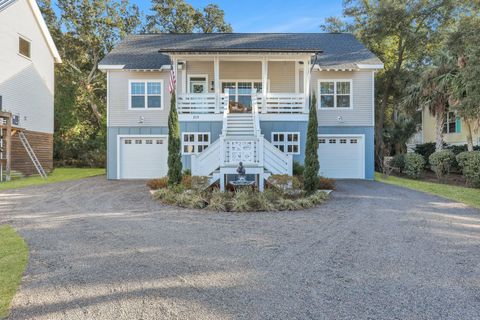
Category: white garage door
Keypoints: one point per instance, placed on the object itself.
(143, 157)
(341, 157)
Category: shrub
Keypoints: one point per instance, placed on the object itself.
(262, 203)
(470, 164)
(318, 197)
(219, 201)
(289, 205)
(242, 201)
(425, 150)
(304, 202)
(165, 195)
(398, 162)
(414, 165)
(200, 182)
(312, 165)
(284, 181)
(326, 183)
(297, 168)
(187, 172)
(159, 183)
(441, 162)
(187, 182)
(191, 199)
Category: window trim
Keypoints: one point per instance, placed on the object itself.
(29, 48)
(145, 81)
(285, 142)
(446, 126)
(195, 143)
(197, 76)
(319, 106)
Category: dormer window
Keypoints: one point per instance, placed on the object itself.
(24, 47)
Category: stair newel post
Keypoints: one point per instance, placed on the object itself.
(260, 149)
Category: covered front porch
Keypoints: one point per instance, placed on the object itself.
(210, 85)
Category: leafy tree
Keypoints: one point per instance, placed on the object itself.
(310, 173)
(174, 156)
(178, 16)
(402, 33)
(462, 43)
(84, 31)
(433, 92)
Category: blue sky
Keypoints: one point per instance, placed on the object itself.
(269, 15)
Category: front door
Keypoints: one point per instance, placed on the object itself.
(240, 94)
(198, 85)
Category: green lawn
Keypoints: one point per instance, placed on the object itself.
(13, 260)
(58, 175)
(468, 196)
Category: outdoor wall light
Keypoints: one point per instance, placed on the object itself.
(141, 119)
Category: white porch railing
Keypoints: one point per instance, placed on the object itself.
(201, 103)
(283, 103)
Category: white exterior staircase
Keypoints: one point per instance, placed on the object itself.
(241, 141)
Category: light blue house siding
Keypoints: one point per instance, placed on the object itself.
(369, 144)
(112, 135)
(214, 127)
(267, 127)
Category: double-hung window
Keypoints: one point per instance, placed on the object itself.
(288, 142)
(335, 94)
(195, 142)
(452, 123)
(146, 94)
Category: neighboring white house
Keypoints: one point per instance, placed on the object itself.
(27, 58)
(240, 97)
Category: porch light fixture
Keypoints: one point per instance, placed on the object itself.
(141, 119)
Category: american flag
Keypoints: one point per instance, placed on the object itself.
(173, 81)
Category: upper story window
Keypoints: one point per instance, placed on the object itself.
(335, 94)
(145, 94)
(288, 142)
(240, 94)
(24, 47)
(452, 124)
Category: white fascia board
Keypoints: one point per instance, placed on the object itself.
(370, 66)
(110, 66)
(44, 29)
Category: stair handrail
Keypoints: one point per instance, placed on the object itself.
(201, 167)
(276, 161)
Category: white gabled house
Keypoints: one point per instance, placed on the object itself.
(241, 97)
(27, 58)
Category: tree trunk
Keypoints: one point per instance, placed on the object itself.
(469, 135)
(439, 121)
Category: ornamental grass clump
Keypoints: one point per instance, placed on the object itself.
(220, 201)
(469, 161)
(414, 165)
(441, 162)
(242, 201)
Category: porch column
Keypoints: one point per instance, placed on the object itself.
(306, 83)
(264, 84)
(216, 80)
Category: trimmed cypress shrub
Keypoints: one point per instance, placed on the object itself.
(310, 173)
(174, 156)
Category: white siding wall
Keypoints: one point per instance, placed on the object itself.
(282, 76)
(26, 85)
(119, 115)
(362, 113)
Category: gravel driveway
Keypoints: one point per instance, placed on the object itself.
(105, 250)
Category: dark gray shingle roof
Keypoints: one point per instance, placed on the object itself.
(150, 51)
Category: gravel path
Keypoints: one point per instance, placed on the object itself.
(105, 250)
